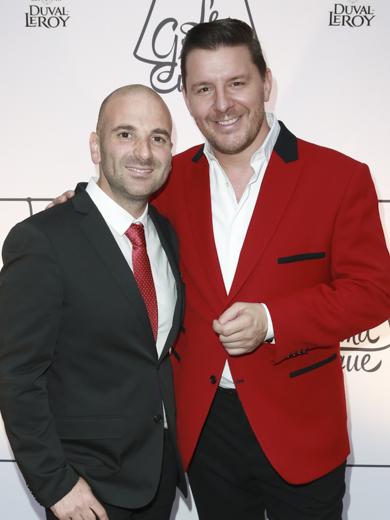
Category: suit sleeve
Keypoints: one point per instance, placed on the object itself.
(30, 302)
(358, 296)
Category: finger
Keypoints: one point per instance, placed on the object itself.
(239, 342)
(238, 351)
(99, 510)
(217, 327)
(238, 330)
(239, 326)
(231, 312)
(239, 347)
(85, 514)
(67, 195)
(62, 198)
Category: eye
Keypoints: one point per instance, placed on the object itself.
(203, 90)
(237, 83)
(124, 135)
(159, 139)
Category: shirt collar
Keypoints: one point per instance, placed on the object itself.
(115, 216)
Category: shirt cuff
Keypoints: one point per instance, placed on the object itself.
(270, 330)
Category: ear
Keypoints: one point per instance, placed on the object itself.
(94, 147)
(185, 97)
(267, 84)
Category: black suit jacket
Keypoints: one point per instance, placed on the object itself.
(81, 386)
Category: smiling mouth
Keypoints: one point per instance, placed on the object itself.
(139, 170)
(227, 122)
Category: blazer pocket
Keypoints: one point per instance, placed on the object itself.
(314, 366)
(110, 427)
(301, 257)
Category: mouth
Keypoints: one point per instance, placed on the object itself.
(227, 123)
(139, 171)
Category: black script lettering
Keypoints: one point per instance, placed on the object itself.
(213, 14)
(34, 10)
(30, 21)
(162, 73)
(52, 22)
(339, 8)
(362, 337)
(42, 22)
(346, 20)
(356, 363)
(340, 19)
(165, 76)
(356, 19)
(55, 11)
(351, 16)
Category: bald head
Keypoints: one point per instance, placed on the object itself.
(132, 146)
(138, 92)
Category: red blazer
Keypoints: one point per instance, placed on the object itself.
(315, 254)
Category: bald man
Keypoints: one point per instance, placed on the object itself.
(92, 301)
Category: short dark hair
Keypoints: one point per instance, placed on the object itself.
(227, 32)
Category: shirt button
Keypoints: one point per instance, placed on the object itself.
(213, 379)
(158, 419)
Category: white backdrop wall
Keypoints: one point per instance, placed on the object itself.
(331, 81)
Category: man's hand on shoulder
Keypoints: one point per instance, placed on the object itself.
(61, 198)
(242, 327)
(79, 504)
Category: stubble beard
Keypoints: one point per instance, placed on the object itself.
(241, 143)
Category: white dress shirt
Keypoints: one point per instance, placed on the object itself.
(231, 218)
(119, 220)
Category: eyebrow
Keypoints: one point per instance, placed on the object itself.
(210, 82)
(130, 128)
(161, 131)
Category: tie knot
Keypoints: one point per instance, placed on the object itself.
(136, 235)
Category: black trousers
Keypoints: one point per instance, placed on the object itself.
(161, 505)
(231, 477)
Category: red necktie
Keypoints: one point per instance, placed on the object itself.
(143, 273)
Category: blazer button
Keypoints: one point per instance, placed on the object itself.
(158, 419)
(213, 379)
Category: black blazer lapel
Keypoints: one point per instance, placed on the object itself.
(101, 239)
(169, 245)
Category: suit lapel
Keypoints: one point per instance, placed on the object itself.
(173, 262)
(277, 188)
(100, 237)
(198, 206)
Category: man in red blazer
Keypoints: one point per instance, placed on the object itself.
(283, 256)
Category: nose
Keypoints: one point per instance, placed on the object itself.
(143, 149)
(222, 100)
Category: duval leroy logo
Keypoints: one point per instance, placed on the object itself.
(352, 14)
(366, 351)
(47, 14)
(160, 41)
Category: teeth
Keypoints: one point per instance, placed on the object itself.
(139, 170)
(228, 122)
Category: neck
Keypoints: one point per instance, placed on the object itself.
(132, 207)
(135, 207)
(238, 166)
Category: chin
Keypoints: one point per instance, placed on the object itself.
(229, 148)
